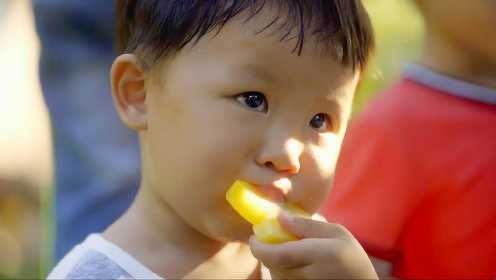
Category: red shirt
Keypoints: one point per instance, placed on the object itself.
(416, 183)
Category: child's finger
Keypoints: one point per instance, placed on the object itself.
(292, 254)
(308, 228)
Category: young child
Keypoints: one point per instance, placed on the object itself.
(416, 178)
(223, 90)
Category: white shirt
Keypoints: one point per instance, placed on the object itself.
(98, 258)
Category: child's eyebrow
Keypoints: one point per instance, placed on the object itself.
(256, 71)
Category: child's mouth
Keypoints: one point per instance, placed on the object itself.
(271, 193)
(276, 191)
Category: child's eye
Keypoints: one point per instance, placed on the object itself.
(254, 100)
(321, 122)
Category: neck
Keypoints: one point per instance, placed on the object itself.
(450, 57)
(165, 243)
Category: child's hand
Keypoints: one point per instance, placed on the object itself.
(324, 251)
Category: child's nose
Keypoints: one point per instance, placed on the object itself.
(281, 156)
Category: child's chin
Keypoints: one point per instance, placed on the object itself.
(227, 234)
(226, 227)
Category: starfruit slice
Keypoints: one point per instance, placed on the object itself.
(261, 212)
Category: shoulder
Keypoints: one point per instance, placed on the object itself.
(406, 98)
(90, 264)
(397, 113)
(97, 258)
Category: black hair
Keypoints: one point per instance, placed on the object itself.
(157, 28)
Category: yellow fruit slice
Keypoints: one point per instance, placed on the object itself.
(244, 198)
(261, 212)
(271, 231)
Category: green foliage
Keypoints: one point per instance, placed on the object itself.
(398, 29)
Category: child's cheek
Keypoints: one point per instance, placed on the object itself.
(318, 170)
(313, 193)
(325, 154)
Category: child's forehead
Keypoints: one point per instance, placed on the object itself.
(241, 47)
(242, 61)
(254, 60)
(239, 56)
(264, 31)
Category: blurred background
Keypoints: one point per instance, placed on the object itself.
(26, 148)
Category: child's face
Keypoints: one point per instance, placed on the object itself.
(241, 105)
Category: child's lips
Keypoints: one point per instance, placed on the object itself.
(272, 193)
(276, 191)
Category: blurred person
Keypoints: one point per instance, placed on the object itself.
(96, 159)
(19, 229)
(416, 180)
(25, 147)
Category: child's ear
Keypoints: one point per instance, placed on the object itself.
(128, 91)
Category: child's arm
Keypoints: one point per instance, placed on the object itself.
(324, 251)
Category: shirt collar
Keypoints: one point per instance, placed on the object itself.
(450, 85)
